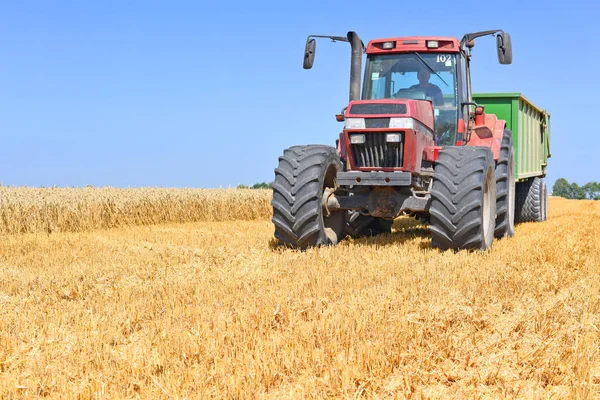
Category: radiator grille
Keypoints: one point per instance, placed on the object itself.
(376, 152)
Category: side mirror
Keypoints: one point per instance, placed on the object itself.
(309, 53)
(504, 44)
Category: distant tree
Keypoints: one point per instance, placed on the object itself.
(592, 190)
(578, 192)
(563, 188)
(261, 185)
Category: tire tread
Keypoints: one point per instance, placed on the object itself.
(457, 195)
(297, 193)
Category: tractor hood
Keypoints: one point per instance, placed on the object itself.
(380, 113)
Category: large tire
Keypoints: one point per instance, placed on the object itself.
(463, 199)
(359, 225)
(303, 174)
(505, 188)
(531, 201)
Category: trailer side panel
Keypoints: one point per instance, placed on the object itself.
(530, 126)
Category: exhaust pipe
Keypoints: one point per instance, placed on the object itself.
(355, 65)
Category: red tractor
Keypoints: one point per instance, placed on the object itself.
(413, 144)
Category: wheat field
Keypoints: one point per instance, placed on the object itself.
(160, 306)
(49, 210)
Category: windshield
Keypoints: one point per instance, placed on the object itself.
(421, 76)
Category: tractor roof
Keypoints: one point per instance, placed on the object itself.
(414, 43)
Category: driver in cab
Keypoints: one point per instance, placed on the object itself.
(431, 90)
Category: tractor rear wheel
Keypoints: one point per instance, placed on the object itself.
(359, 225)
(463, 199)
(302, 177)
(505, 188)
(531, 201)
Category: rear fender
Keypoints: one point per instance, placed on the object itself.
(487, 131)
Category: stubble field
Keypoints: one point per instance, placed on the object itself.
(109, 293)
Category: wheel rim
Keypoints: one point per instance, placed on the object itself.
(546, 205)
(333, 221)
(543, 202)
(487, 219)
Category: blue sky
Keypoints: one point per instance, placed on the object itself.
(208, 94)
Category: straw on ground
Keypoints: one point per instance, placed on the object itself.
(214, 309)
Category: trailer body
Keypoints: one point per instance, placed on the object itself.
(530, 126)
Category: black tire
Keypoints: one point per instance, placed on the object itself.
(359, 225)
(301, 177)
(505, 188)
(531, 201)
(383, 225)
(463, 199)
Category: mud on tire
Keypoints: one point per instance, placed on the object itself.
(463, 206)
(301, 177)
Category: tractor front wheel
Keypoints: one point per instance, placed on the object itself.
(305, 175)
(463, 199)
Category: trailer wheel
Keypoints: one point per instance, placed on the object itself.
(531, 201)
(303, 175)
(505, 188)
(359, 225)
(463, 205)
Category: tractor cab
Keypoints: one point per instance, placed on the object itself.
(421, 68)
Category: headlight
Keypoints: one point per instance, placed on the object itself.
(357, 139)
(402, 123)
(354, 123)
(393, 138)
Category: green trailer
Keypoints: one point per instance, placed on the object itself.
(530, 126)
